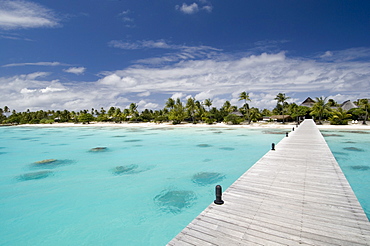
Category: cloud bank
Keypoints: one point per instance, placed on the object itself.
(219, 77)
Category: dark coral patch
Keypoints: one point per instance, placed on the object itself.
(46, 161)
(340, 153)
(98, 149)
(207, 178)
(227, 148)
(332, 135)
(360, 168)
(125, 169)
(349, 142)
(175, 201)
(35, 175)
(354, 149)
(204, 145)
(274, 132)
(133, 140)
(51, 163)
(359, 132)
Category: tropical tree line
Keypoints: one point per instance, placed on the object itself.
(195, 111)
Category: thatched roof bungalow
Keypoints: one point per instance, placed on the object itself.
(237, 113)
(347, 105)
(309, 102)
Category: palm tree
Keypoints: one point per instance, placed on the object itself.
(364, 106)
(332, 103)
(340, 117)
(200, 111)
(281, 99)
(255, 114)
(6, 109)
(102, 111)
(227, 107)
(133, 110)
(177, 114)
(111, 112)
(170, 103)
(208, 103)
(191, 107)
(117, 116)
(320, 108)
(245, 96)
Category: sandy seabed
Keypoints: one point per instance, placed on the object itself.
(358, 126)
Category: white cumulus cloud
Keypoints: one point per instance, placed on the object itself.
(188, 9)
(16, 14)
(75, 70)
(194, 7)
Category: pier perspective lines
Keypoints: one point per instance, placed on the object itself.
(294, 195)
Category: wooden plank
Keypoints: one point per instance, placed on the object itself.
(295, 195)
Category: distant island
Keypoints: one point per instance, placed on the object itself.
(193, 111)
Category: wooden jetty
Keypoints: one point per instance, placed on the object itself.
(294, 195)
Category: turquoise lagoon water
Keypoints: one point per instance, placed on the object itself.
(352, 152)
(141, 188)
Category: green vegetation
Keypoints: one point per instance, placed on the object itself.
(282, 104)
(321, 108)
(194, 111)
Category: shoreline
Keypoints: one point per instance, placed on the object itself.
(274, 125)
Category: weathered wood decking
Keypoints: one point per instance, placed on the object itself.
(295, 195)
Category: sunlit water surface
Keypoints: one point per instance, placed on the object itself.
(133, 186)
(352, 152)
(116, 186)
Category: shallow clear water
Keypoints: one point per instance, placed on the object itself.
(352, 152)
(142, 188)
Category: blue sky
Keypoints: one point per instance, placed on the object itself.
(85, 54)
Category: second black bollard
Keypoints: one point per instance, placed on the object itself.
(287, 134)
(272, 146)
(218, 200)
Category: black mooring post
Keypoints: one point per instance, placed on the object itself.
(272, 146)
(286, 134)
(293, 129)
(218, 200)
